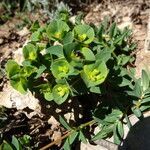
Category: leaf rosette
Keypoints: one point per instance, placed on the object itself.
(30, 52)
(17, 81)
(60, 93)
(61, 69)
(46, 90)
(57, 29)
(94, 74)
(84, 33)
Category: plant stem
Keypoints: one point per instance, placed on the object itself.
(56, 141)
(87, 124)
(68, 133)
(114, 55)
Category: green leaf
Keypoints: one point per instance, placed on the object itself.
(46, 90)
(60, 93)
(125, 82)
(123, 59)
(61, 69)
(41, 69)
(113, 116)
(120, 129)
(104, 132)
(88, 54)
(145, 107)
(20, 84)
(145, 100)
(48, 96)
(138, 89)
(104, 55)
(79, 18)
(68, 49)
(119, 40)
(26, 71)
(64, 123)
(12, 68)
(35, 26)
(105, 22)
(145, 80)
(25, 140)
(68, 38)
(118, 132)
(27, 63)
(36, 36)
(66, 145)
(16, 143)
(137, 112)
(17, 81)
(56, 50)
(72, 137)
(94, 74)
(41, 47)
(84, 33)
(76, 58)
(99, 135)
(128, 121)
(100, 32)
(82, 137)
(112, 30)
(95, 89)
(57, 29)
(133, 46)
(30, 52)
(5, 146)
(116, 136)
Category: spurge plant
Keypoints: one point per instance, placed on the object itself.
(63, 60)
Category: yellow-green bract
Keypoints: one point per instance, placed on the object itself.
(94, 74)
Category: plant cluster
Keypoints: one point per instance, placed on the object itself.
(9, 7)
(62, 56)
(17, 143)
(48, 8)
(65, 60)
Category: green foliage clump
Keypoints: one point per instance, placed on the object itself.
(65, 54)
(21, 143)
(64, 60)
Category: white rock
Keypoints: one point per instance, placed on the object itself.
(88, 146)
(18, 54)
(23, 32)
(10, 98)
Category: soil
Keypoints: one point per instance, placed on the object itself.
(43, 129)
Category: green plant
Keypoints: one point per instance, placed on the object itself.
(22, 143)
(81, 54)
(48, 8)
(9, 8)
(65, 60)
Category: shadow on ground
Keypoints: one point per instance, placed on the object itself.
(138, 137)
